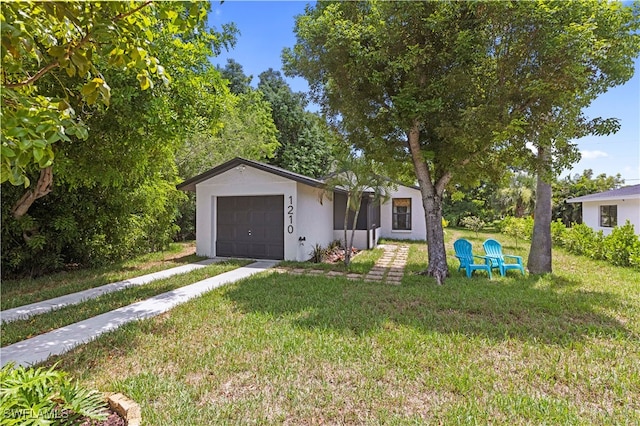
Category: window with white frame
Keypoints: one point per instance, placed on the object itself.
(401, 214)
(608, 216)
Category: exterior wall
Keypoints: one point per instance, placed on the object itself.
(236, 182)
(360, 237)
(314, 220)
(627, 210)
(418, 227)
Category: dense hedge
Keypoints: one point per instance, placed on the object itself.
(620, 248)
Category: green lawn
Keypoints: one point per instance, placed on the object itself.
(360, 264)
(278, 348)
(21, 292)
(16, 331)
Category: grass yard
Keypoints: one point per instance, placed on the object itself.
(277, 348)
(21, 292)
(16, 331)
(360, 264)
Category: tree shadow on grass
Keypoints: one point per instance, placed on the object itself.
(554, 313)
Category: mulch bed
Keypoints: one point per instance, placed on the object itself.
(336, 255)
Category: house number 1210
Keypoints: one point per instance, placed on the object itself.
(290, 215)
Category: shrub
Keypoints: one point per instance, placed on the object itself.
(620, 248)
(622, 245)
(558, 232)
(318, 254)
(37, 397)
(473, 223)
(634, 259)
(581, 239)
(335, 244)
(519, 228)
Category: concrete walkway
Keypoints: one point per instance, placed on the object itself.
(39, 348)
(26, 311)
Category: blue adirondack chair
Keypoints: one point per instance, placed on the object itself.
(493, 250)
(466, 257)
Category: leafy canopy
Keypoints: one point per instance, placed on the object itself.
(44, 42)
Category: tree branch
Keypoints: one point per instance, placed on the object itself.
(35, 77)
(83, 41)
(43, 187)
(121, 16)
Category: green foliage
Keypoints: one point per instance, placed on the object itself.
(473, 223)
(581, 239)
(479, 201)
(577, 186)
(239, 83)
(558, 232)
(318, 253)
(87, 226)
(305, 141)
(519, 228)
(517, 197)
(245, 129)
(356, 174)
(41, 396)
(114, 189)
(467, 84)
(620, 248)
(334, 245)
(56, 52)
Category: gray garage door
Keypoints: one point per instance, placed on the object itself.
(250, 227)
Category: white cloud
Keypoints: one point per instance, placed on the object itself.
(592, 155)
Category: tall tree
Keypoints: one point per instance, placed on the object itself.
(568, 54)
(305, 139)
(459, 87)
(517, 198)
(479, 201)
(239, 82)
(54, 55)
(114, 192)
(245, 128)
(415, 79)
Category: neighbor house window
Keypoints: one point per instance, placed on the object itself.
(608, 216)
(401, 214)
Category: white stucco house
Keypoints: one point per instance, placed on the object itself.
(606, 210)
(245, 208)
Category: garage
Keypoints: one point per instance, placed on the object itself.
(250, 226)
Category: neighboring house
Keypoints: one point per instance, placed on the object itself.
(245, 208)
(605, 210)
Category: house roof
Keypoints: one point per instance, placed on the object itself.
(624, 193)
(190, 184)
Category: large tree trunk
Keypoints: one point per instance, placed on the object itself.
(42, 188)
(539, 261)
(432, 202)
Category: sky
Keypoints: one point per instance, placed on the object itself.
(266, 27)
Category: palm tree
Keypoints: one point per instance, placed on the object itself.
(518, 199)
(355, 174)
